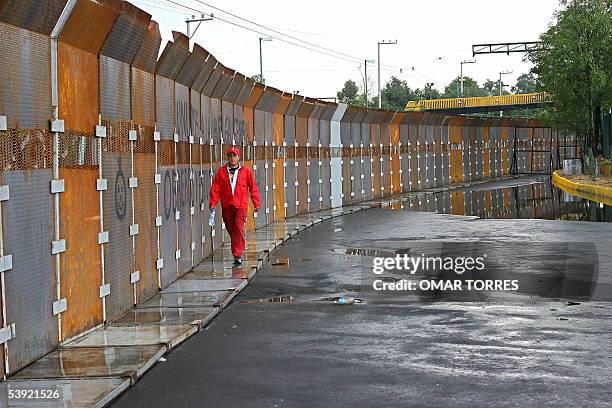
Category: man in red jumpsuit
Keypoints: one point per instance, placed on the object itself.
(231, 184)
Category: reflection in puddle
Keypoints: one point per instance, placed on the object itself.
(532, 198)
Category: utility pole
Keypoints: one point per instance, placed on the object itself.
(261, 58)
(461, 75)
(365, 81)
(501, 87)
(193, 19)
(379, 44)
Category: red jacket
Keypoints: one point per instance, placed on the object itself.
(222, 189)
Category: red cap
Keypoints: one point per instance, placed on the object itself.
(234, 150)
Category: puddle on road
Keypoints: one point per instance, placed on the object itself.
(531, 198)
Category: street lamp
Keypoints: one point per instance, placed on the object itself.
(260, 57)
(461, 74)
(384, 42)
(429, 86)
(501, 87)
(366, 80)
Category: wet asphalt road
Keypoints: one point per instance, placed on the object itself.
(523, 348)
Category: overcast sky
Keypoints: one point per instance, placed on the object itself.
(433, 37)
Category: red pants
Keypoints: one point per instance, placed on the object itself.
(234, 219)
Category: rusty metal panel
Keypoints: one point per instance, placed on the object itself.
(117, 221)
(301, 130)
(143, 97)
(34, 15)
(181, 97)
(81, 275)
(114, 89)
(77, 88)
(30, 285)
(324, 132)
(25, 78)
(295, 105)
(127, 34)
(164, 98)
(173, 58)
(277, 129)
(145, 211)
(146, 56)
(345, 133)
(313, 125)
(224, 81)
(89, 24)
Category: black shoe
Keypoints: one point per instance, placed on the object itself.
(237, 261)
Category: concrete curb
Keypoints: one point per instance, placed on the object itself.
(588, 191)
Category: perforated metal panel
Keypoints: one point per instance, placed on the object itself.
(268, 131)
(165, 106)
(143, 97)
(25, 94)
(182, 202)
(325, 183)
(35, 15)
(30, 285)
(182, 113)
(117, 221)
(302, 188)
(216, 122)
(167, 231)
(206, 124)
(290, 189)
(260, 178)
(126, 36)
(314, 188)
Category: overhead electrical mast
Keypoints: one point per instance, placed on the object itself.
(505, 48)
(384, 42)
(193, 19)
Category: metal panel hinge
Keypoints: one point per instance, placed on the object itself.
(101, 184)
(133, 230)
(7, 333)
(103, 237)
(159, 264)
(3, 123)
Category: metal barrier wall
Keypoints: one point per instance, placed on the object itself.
(108, 154)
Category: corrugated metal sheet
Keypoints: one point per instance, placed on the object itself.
(114, 89)
(25, 77)
(146, 56)
(30, 285)
(34, 15)
(127, 34)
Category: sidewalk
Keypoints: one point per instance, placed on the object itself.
(94, 369)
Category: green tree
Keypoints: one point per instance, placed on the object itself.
(470, 88)
(491, 88)
(526, 83)
(396, 94)
(573, 65)
(258, 78)
(349, 93)
(428, 92)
